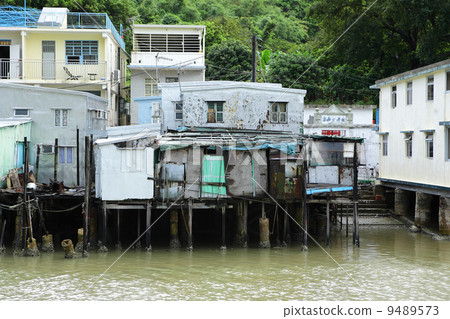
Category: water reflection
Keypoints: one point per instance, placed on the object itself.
(390, 265)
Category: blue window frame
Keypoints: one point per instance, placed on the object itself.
(81, 52)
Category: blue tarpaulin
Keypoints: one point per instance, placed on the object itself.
(288, 148)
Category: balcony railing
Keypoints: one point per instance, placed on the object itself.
(52, 70)
(33, 18)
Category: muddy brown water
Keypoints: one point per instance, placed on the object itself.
(391, 264)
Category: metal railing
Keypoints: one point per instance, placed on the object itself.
(52, 70)
(32, 18)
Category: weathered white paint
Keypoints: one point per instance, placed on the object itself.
(422, 115)
(125, 163)
(246, 105)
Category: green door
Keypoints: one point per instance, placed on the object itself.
(213, 176)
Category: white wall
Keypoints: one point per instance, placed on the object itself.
(122, 173)
(247, 105)
(421, 115)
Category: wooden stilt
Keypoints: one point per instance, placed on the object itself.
(55, 161)
(346, 222)
(241, 237)
(102, 244)
(118, 244)
(174, 241)
(224, 246)
(148, 219)
(305, 226)
(138, 230)
(305, 203)
(78, 156)
(87, 191)
(189, 242)
(285, 225)
(355, 195)
(25, 200)
(2, 229)
(328, 223)
(38, 152)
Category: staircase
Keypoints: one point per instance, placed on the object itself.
(372, 210)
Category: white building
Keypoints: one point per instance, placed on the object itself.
(241, 105)
(164, 54)
(124, 163)
(56, 48)
(347, 121)
(415, 141)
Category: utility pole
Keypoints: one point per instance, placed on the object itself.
(253, 58)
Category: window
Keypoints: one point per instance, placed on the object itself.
(82, 52)
(215, 112)
(448, 80)
(167, 42)
(151, 87)
(21, 112)
(409, 93)
(179, 111)
(394, 96)
(278, 112)
(408, 141)
(385, 144)
(65, 154)
(429, 143)
(173, 79)
(47, 149)
(447, 135)
(61, 117)
(430, 88)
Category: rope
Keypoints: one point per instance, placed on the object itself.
(11, 207)
(62, 210)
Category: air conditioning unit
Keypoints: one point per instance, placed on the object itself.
(116, 76)
(155, 109)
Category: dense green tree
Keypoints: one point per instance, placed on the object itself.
(229, 60)
(298, 71)
(394, 35)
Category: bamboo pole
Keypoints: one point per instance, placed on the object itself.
(87, 191)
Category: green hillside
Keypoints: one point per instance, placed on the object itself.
(333, 48)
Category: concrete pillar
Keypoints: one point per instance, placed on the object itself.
(264, 240)
(174, 241)
(401, 202)
(240, 239)
(444, 215)
(422, 215)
